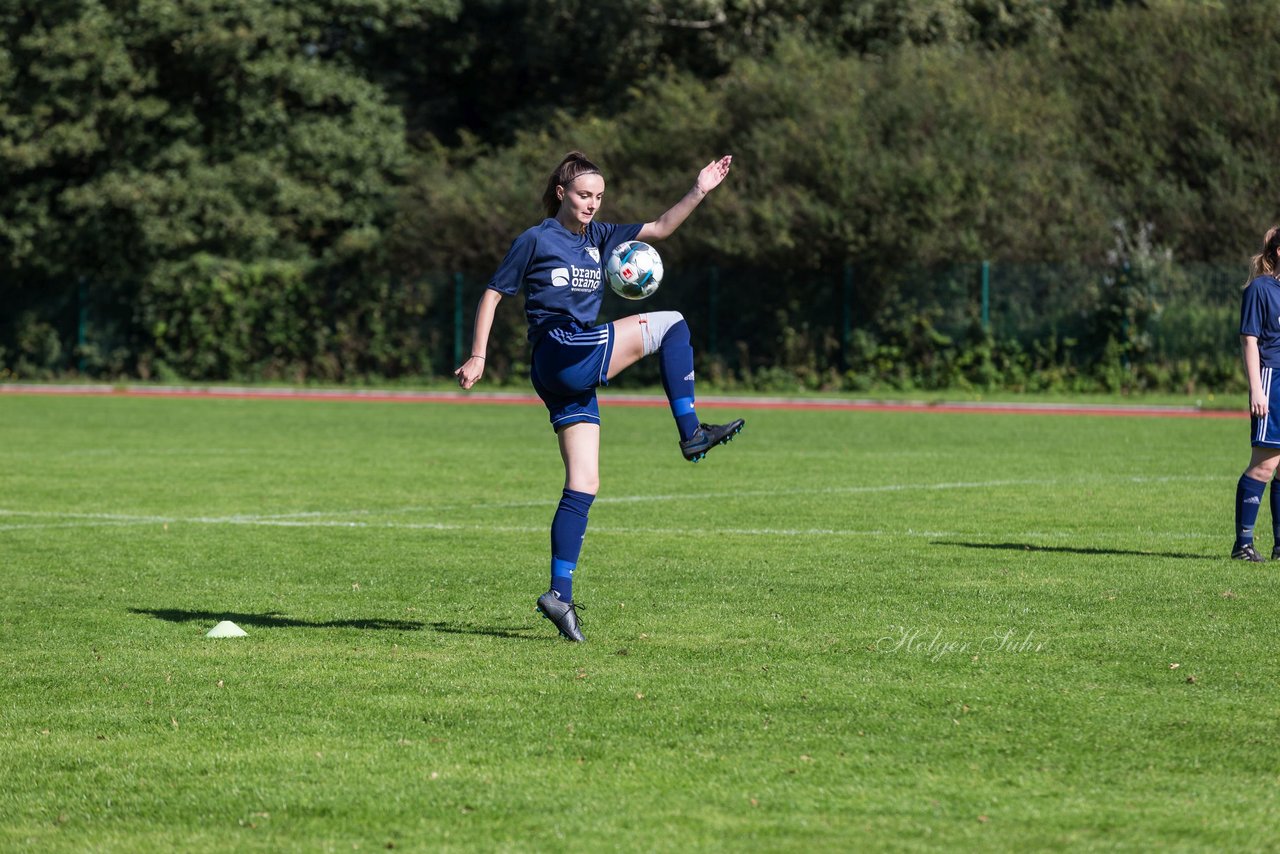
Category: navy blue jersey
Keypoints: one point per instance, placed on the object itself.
(561, 272)
(1260, 317)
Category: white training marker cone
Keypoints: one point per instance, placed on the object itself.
(226, 629)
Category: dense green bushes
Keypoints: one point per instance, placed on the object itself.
(197, 191)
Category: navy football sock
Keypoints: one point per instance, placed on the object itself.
(1248, 502)
(1274, 495)
(568, 527)
(675, 360)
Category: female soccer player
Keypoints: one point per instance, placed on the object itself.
(1260, 341)
(559, 264)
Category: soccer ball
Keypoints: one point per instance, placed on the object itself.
(634, 270)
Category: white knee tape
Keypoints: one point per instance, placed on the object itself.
(654, 326)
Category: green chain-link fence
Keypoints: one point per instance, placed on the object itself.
(1148, 325)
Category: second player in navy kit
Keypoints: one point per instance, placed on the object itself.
(558, 263)
(1260, 346)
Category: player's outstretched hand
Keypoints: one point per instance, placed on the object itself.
(470, 372)
(713, 173)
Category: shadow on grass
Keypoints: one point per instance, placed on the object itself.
(519, 633)
(1075, 550)
(275, 621)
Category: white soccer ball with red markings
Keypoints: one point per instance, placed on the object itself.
(634, 270)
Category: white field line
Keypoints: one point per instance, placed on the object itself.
(87, 524)
(320, 519)
(598, 529)
(854, 490)
(773, 493)
(626, 499)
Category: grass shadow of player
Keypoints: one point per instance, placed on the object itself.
(1075, 550)
(519, 633)
(273, 620)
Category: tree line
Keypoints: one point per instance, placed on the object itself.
(207, 190)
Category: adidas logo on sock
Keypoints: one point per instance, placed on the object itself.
(1253, 499)
(689, 378)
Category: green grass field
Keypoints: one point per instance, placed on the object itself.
(845, 631)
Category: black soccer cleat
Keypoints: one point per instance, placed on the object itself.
(1275, 552)
(563, 614)
(707, 437)
(1247, 552)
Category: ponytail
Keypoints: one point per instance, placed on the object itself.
(1266, 262)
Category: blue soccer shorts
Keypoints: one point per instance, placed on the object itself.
(1265, 431)
(568, 364)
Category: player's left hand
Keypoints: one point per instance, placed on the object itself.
(713, 173)
(1258, 405)
(469, 372)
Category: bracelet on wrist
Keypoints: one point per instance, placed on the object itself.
(474, 356)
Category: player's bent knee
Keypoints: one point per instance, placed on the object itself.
(654, 327)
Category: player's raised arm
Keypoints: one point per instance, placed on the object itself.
(708, 179)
